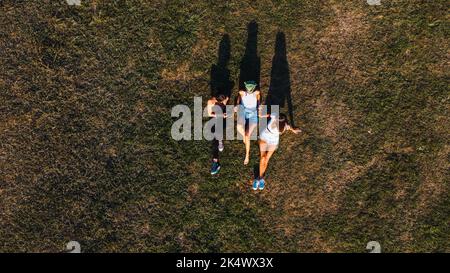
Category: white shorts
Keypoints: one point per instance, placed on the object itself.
(269, 138)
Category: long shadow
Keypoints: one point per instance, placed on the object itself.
(220, 80)
(250, 67)
(220, 74)
(280, 80)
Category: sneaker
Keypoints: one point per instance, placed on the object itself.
(255, 184)
(221, 147)
(215, 168)
(262, 183)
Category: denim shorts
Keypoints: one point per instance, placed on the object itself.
(245, 115)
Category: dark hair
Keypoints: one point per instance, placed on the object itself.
(282, 122)
(221, 98)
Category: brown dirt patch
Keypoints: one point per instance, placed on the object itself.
(341, 41)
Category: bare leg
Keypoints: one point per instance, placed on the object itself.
(241, 130)
(263, 152)
(265, 161)
(262, 164)
(247, 137)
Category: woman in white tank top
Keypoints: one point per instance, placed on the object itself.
(247, 107)
(268, 143)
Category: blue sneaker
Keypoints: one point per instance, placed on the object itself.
(262, 183)
(255, 184)
(215, 168)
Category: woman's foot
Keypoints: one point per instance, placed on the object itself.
(246, 160)
(262, 184)
(255, 184)
(215, 168)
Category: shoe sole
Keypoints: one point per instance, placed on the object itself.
(213, 173)
(255, 189)
(261, 188)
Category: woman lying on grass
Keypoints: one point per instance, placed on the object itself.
(217, 144)
(247, 107)
(268, 143)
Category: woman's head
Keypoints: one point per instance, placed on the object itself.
(282, 122)
(250, 86)
(220, 98)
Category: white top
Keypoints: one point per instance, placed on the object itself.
(271, 135)
(249, 101)
(272, 129)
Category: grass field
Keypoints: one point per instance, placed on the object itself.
(86, 94)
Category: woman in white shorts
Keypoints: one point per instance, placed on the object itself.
(268, 143)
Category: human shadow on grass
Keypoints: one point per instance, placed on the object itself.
(220, 74)
(280, 81)
(220, 83)
(250, 67)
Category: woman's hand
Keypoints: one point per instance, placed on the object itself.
(296, 130)
(260, 108)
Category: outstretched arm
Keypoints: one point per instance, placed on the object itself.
(258, 97)
(209, 108)
(238, 101)
(238, 98)
(260, 106)
(295, 130)
(225, 101)
(261, 115)
(258, 102)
